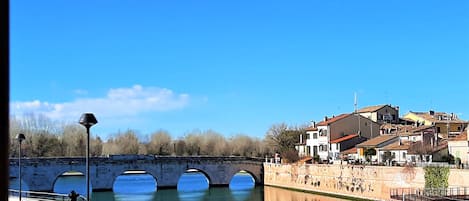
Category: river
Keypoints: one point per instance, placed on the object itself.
(191, 187)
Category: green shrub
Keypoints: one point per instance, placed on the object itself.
(436, 177)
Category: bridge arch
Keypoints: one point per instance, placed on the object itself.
(187, 173)
(202, 171)
(251, 171)
(137, 173)
(69, 172)
(247, 172)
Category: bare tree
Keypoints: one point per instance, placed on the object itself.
(96, 146)
(123, 143)
(193, 141)
(74, 140)
(283, 138)
(242, 145)
(160, 143)
(179, 147)
(213, 143)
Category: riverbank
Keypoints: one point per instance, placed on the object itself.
(358, 181)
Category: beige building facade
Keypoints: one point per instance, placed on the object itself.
(459, 147)
(381, 113)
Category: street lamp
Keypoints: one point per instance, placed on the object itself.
(20, 137)
(88, 120)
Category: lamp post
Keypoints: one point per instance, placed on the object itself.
(88, 120)
(20, 137)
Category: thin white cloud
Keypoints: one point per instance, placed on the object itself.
(119, 102)
(80, 92)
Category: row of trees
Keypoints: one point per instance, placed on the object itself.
(193, 143)
(47, 138)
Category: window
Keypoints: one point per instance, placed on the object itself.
(315, 135)
(438, 129)
(403, 155)
(307, 136)
(322, 132)
(337, 146)
(323, 147)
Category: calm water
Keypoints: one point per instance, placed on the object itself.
(191, 187)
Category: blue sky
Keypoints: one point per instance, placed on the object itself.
(236, 67)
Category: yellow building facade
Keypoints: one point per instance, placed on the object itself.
(442, 122)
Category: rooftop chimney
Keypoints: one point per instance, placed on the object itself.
(325, 118)
(313, 123)
(431, 112)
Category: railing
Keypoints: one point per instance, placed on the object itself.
(453, 193)
(43, 195)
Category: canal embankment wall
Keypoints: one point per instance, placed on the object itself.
(369, 182)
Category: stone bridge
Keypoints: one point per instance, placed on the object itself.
(40, 174)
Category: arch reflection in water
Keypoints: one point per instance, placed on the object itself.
(242, 181)
(72, 180)
(193, 180)
(242, 185)
(279, 194)
(193, 185)
(134, 185)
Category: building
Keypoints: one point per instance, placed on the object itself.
(442, 122)
(420, 133)
(375, 143)
(424, 152)
(396, 151)
(381, 113)
(304, 148)
(350, 154)
(344, 143)
(458, 147)
(319, 136)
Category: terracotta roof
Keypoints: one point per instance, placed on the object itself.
(371, 108)
(460, 137)
(396, 146)
(399, 127)
(332, 120)
(420, 128)
(376, 141)
(311, 128)
(352, 150)
(387, 126)
(347, 137)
